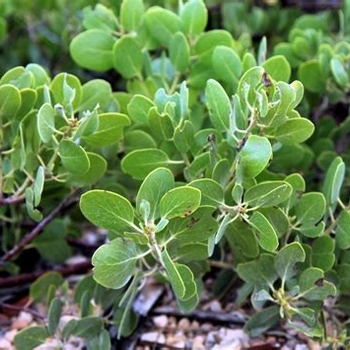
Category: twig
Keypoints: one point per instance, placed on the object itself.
(229, 317)
(37, 229)
(22, 279)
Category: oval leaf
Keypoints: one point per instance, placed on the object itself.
(254, 156)
(73, 157)
(139, 163)
(218, 104)
(108, 210)
(92, 49)
(179, 202)
(127, 57)
(46, 122)
(295, 130)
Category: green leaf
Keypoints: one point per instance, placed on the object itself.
(278, 68)
(114, 263)
(259, 272)
(184, 136)
(268, 193)
(138, 109)
(218, 104)
(100, 17)
(260, 322)
(127, 57)
(31, 337)
(39, 289)
(107, 209)
(179, 52)
(10, 101)
(66, 90)
(162, 24)
(54, 315)
(310, 208)
(342, 233)
(310, 74)
(38, 185)
(154, 187)
(323, 253)
(179, 202)
(266, 234)
(139, 163)
(339, 72)
(73, 157)
(295, 130)
(333, 181)
(92, 49)
(96, 92)
(254, 156)
(194, 16)
(125, 319)
(88, 327)
(46, 122)
(87, 125)
(180, 277)
(211, 192)
(100, 341)
(227, 64)
(313, 285)
(131, 13)
(98, 167)
(110, 130)
(286, 260)
(277, 218)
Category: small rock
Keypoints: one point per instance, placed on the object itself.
(22, 321)
(215, 306)
(153, 337)
(184, 323)
(161, 321)
(5, 344)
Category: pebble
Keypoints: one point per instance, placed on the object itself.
(22, 321)
(161, 321)
(153, 337)
(184, 324)
(5, 344)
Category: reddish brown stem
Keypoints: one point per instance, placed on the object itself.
(37, 229)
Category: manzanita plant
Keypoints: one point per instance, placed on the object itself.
(209, 153)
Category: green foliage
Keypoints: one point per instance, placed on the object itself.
(210, 146)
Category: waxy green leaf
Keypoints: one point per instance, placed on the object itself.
(266, 234)
(127, 57)
(74, 158)
(342, 233)
(295, 130)
(108, 210)
(227, 64)
(114, 263)
(92, 49)
(211, 192)
(179, 52)
(31, 337)
(268, 193)
(180, 277)
(339, 72)
(287, 259)
(156, 184)
(110, 130)
(310, 208)
(254, 156)
(10, 101)
(139, 163)
(179, 202)
(131, 13)
(314, 286)
(278, 68)
(194, 16)
(259, 272)
(333, 181)
(162, 24)
(218, 104)
(46, 122)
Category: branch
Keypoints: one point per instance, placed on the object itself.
(20, 280)
(28, 238)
